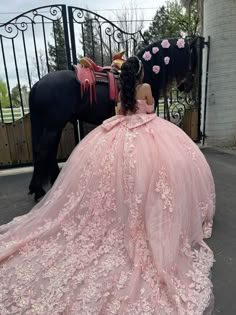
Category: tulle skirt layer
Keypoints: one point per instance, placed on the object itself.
(120, 232)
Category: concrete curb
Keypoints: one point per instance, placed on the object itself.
(219, 149)
(20, 170)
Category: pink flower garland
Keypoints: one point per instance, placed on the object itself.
(167, 60)
(180, 43)
(147, 56)
(155, 50)
(165, 43)
(156, 69)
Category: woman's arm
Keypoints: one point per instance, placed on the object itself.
(118, 106)
(151, 109)
(118, 109)
(149, 99)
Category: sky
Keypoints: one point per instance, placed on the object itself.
(9, 9)
(105, 7)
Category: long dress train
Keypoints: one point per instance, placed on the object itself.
(120, 232)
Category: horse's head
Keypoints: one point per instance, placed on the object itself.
(169, 60)
(186, 83)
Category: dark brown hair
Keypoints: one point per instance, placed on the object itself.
(130, 77)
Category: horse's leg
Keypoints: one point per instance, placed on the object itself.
(166, 107)
(76, 131)
(37, 129)
(81, 129)
(43, 162)
(55, 172)
(32, 182)
(54, 165)
(36, 184)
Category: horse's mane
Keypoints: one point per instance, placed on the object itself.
(177, 67)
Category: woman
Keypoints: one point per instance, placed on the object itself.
(121, 231)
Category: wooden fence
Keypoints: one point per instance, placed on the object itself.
(15, 142)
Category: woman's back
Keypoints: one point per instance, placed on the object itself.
(143, 92)
(145, 101)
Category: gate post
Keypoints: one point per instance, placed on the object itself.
(66, 34)
(200, 46)
(74, 61)
(72, 35)
(68, 54)
(206, 89)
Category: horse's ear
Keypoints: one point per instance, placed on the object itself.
(193, 55)
(192, 43)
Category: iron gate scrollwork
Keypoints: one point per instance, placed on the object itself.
(51, 38)
(100, 37)
(24, 40)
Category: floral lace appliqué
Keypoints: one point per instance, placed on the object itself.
(165, 191)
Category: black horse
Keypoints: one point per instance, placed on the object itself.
(56, 100)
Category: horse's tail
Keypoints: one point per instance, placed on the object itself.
(37, 125)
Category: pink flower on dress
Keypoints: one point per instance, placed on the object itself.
(155, 50)
(167, 60)
(156, 69)
(180, 43)
(165, 43)
(147, 56)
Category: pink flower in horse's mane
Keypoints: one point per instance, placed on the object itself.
(147, 56)
(156, 69)
(167, 60)
(155, 50)
(165, 43)
(180, 43)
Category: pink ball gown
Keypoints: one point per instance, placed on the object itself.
(120, 232)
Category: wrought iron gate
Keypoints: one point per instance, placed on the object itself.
(52, 38)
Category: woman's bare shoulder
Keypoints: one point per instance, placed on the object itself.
(146, 86)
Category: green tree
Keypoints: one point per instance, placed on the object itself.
(174, 20)
(195, 9)
(130, 20)
(90, 38)
(5, 102)
(96, 42)
(15, 96)
(57, 52)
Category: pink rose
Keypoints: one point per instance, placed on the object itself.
(147, 56)
(155, 50)
(180, 43)
(167, 60)
(156, 69)
(165, 43)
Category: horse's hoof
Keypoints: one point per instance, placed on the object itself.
(39, 194)
(31, 191)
